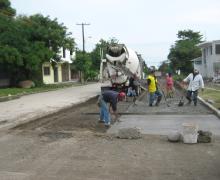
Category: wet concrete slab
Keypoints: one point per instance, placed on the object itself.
(164, 124)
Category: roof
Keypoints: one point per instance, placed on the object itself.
(197, 59)
(207, 43)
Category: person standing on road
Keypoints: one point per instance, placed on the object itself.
(153, 90)
(169, 85)
(195, 81)
(111, 97)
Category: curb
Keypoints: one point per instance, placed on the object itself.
(212, 108)
(215, 110)
(9, 98)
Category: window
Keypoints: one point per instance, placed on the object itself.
(217, 49)
(204, 55)
(64, 53)
(198, 62)
(210, 50)
(71, 52)
(46, 71)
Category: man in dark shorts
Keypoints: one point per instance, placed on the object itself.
(195, 81)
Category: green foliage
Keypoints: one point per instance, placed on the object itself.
(101, 49)
(165, 67)
(50, 32)
(83, 63)
(185, 50)
(10, 55)
(5, 8)
(211, 94)
(178, 77)
(145, 68)
(80, 61)
(97, 54)
(27, 42)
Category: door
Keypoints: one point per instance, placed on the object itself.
(65, 72)
(55, 74)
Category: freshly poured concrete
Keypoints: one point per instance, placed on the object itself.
(164, 124)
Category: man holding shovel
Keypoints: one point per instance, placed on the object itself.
(152, 85)
(195, 82)
(112, 98)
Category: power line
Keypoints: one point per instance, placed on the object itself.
(83, 38)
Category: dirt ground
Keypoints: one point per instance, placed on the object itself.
(72, 144)
(70, 119)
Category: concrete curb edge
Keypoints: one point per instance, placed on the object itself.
(212, 108)
(215, 110)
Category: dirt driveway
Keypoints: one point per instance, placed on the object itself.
(72, 145)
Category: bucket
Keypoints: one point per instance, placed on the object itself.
(190, 133)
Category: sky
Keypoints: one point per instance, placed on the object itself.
(149, 27)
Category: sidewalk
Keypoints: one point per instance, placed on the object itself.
(34, 106)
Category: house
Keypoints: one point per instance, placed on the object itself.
(197, 64)
(209, 63)
(55, 72)
(52, 71)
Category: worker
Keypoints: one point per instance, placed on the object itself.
(132, 88)
(169, 85)
(153, 90)
(111, 97)
(195, 82)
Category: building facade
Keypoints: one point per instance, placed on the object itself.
(209, 63)
(55, 72)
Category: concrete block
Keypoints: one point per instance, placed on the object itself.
(129, 133)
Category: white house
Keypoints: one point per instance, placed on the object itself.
(209, 63)
(61, 71)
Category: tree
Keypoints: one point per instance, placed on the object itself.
(27, 42)
(89, 63)
(164, 67)
(83, 64)
(9, 55)
(50, 32)
(185, 50)
(6, 9)
(99, 52)
(145, 68)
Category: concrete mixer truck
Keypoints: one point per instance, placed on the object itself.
(121, 63)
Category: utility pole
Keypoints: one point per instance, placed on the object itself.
(83, 38)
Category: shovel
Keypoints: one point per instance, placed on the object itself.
(181, 102)
(165, 97)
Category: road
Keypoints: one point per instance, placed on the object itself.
(71, 144)
(38, 105)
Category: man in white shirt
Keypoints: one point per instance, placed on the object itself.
(195, 81)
